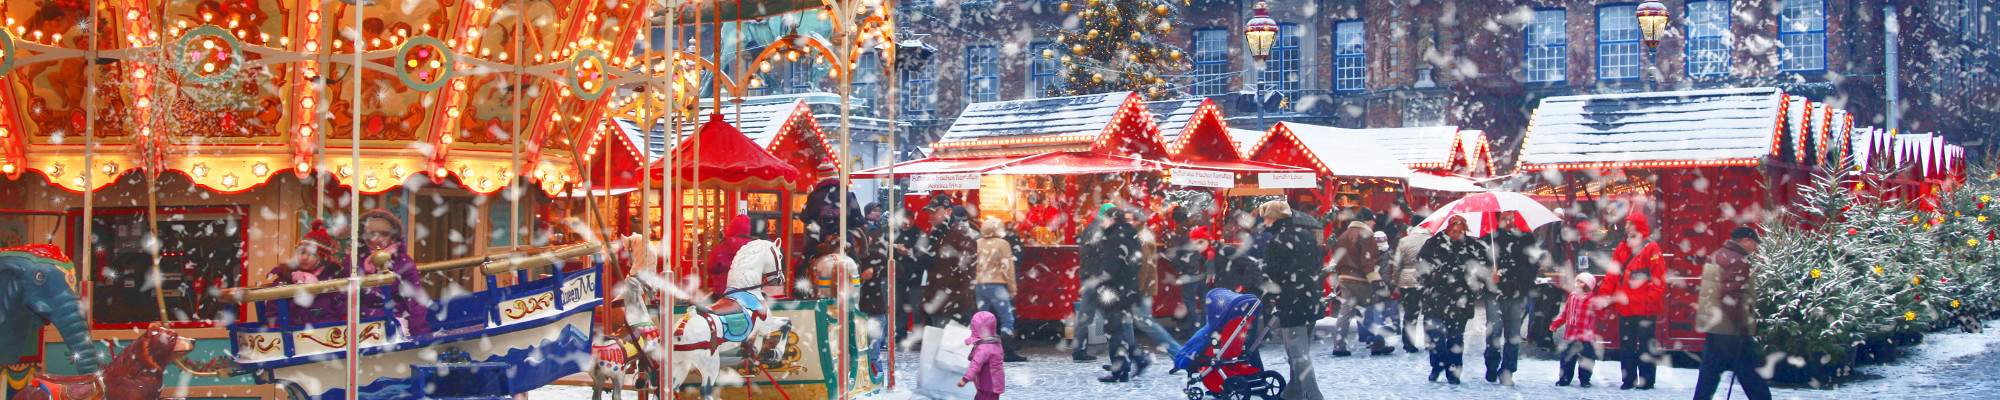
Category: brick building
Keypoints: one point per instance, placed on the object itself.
(1486, 64)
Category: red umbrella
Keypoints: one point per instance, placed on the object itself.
(728, 160)
(1480, 209)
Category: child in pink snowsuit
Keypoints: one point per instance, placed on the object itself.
(986, 369)
(1578, 325)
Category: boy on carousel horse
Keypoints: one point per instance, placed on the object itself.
(753, 278)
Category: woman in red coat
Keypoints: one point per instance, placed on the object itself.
(1635, 287)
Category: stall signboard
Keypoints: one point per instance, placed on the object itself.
(1202, 178)
(1285, 180)
(964, 181)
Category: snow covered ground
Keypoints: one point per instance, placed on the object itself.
(1945, 366)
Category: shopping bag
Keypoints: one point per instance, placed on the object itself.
(943, 362)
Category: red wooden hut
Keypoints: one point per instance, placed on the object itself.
(1346, 162)
(1698, 162)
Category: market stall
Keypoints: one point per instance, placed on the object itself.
(1698, 162)
(720, 173)
(1352, 168)
(1207, 162)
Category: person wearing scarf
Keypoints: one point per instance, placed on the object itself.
(313, 260)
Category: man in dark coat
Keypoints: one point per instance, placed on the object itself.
(949, 295)
(1507, 304)
(1088, 275)
(1723, 312)
(1294, 261)
(914, 257)
(1117, 294)
(1448, 295)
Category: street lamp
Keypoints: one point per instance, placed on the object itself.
(1260, 32)
(1652, 23)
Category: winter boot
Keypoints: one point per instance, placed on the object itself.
(1507, 378)
(1377, 348)
(1564, 380)
(1007, 348)
(1583, 378)
(1434, 373)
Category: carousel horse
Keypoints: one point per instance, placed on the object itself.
(137, 373)
(734, 322)
(35, 283)
(629, 345)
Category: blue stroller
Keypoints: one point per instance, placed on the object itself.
(1221, 359)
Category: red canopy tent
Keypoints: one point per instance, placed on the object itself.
(727, 160)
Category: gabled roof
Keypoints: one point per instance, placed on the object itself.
(1721, 125)
(763, 122)
(1109, 123)
(1174, 115)
(1198, 131)
(1333, 151)
(1418, 145)
(1246, 139)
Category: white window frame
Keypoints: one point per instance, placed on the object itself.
(1545, 44)
(1350, 55)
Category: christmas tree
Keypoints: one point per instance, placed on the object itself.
(1115, 46)
(1965, 236)
(1841, 267)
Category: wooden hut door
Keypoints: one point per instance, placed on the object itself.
(1699, 207)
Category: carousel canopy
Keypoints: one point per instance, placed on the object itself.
(719, 155)
(1681, 128)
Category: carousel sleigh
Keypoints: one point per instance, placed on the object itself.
(488, 344)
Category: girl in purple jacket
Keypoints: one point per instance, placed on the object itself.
(986, 368)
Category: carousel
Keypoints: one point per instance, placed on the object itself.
(170, 165)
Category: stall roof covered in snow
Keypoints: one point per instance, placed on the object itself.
(1055, 117)
(1246, 139)
(1338, 151)
(1173, 116)
(1719, 124)
(761, 118)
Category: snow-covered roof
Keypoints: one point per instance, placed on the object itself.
(1074, 117)
(1173, 116)
(1718, 124)
(1246, 139)
(761, 121)
(1346, 152)
(1417, 145)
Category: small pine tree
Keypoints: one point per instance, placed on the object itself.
(1115, 46)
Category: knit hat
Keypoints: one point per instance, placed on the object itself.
(1586, 279)
(321, 242)
(1200, 233)
(1105, 209)
(385, 215)
(1274, 209)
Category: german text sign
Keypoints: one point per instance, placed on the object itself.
(1285, 180)
(1196, 177)
(965, 181)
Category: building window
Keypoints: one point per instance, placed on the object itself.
(982, 74)
(1547, 47)
(1281, 71)
(866, 73)
(1708, 38)
(1617, 42)
(1802, 35)
(1211, 62)
(1042, 77)
(920, 90)
(798, 76)
(1350, 56)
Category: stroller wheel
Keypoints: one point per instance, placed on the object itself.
(1271, 384)
(1194, 392)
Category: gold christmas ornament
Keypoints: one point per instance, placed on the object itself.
(1093, 3)
(1048, 54)
(1065, 59)
(1162, 9)
(1092, 35)
(1076, 48)
(1096, 78)
(1175, 55)
(1135, 36)
(1064, 6)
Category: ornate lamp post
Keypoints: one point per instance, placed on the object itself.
(1260, 32)
(1652, 23)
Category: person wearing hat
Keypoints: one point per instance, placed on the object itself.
(1723, 313)
(1634, 283)
(1191, 261)
(383, 235)
(1088, 275)
(313, 260)
(1294, 261)
(1576, 326)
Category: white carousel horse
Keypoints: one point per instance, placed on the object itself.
(740, 319)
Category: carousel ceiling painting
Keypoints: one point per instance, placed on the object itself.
(234, 92)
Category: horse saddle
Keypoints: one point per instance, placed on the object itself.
(71, 387)
(735, 326)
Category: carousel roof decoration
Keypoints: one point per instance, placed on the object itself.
(1331, 151)
(232, 93)
(1658, 130)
